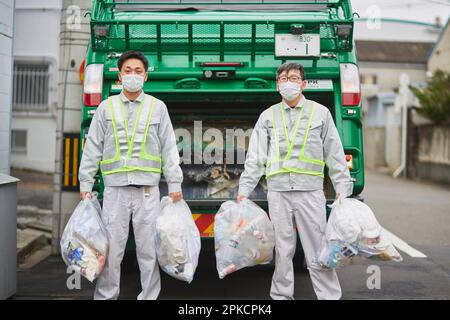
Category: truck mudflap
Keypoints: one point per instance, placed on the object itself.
(204, 212)
(205, 224)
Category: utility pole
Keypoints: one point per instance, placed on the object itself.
(74, 38)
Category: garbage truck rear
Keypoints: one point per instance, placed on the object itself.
(214, 65)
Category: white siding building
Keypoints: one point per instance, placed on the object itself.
(35, 84)
(440, 56)
(6, 45)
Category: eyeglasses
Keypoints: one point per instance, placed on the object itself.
(291, 78)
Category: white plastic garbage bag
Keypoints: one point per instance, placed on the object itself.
(350, 219)
(243, 236)
(352, 229)
(84, 243)
(177, 240)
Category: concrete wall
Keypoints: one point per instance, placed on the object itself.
(393, 139)
(432, 154)
(73, 47)
(37, 39)
(382, 132)
(6, 48)
(374, 147)
(382, 121)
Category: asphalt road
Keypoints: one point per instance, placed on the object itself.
(417, 212)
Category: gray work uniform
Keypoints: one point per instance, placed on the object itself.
(123, 201)
(297, 201)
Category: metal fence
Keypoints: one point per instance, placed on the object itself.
(31, 85)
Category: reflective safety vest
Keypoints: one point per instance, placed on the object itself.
(130, 153)
(289, 162)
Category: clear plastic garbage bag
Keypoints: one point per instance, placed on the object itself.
(243, 235)
(334, 254)
(177, 240)
(352, 229)
(379, 248)
(84, 243)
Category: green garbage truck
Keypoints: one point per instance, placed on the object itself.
(214, 65)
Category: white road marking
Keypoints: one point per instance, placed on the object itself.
(403, 246)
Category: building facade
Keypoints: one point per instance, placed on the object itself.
(35, 83)
(389, 49)
(6, 47)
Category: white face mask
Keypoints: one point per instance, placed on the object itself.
(132, 82)
(290, 90)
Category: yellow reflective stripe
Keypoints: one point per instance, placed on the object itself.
(314, 173)
(108, 161)
(116, 135)
(144, 154)
(268, 164)
(275, 132)
(130, 143)
(138, 118)
(302, 152)
(284, 125)
(129, 169)
(291, 144)
(125, 121)
(150, 157)
(122, 109)
(288, 170)
(301, 157)
(315, 161)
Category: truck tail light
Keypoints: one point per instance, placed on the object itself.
(349, 159)
(93, 85)
(350, 85)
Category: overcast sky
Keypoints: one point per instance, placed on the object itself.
(418, 10)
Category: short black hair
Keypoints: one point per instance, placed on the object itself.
(132, 55)
(288, 66)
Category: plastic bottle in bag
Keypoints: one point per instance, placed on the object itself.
(352, 229)
(243, 236)
(336, 254)
(84, 243)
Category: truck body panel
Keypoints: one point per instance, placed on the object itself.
(219, 67)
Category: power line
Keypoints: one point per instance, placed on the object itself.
(408, 4)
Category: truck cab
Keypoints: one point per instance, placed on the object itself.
(214, 65)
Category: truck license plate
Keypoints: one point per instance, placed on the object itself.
(295, 45)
